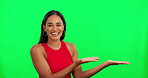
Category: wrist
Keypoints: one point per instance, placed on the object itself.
(77, 62)
(106, 64)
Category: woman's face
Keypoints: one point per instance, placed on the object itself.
(54, 27)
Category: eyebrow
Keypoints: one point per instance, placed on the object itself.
(49, 23)
(56, 23)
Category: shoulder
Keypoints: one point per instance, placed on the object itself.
(37, 49)
(70, 45)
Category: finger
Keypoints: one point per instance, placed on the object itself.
(94, 57)
(126, 62)
(92, 60)
(119, 62)
(89, 60)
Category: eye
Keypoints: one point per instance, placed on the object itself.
(49, 25)
(58, 25)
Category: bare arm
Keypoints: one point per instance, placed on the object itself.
(93, 71)
(78, 73)
(42, 67)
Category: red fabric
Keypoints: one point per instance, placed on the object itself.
(58, 59)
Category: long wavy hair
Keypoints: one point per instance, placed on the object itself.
(44, 38)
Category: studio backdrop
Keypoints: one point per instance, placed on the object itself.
(109, 29)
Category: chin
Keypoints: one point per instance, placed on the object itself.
(55, 39)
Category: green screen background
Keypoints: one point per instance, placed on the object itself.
(108, 29)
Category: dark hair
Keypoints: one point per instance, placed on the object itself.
(44, 38)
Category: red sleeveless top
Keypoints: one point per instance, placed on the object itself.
(58, 59)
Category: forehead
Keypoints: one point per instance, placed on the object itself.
(54, 18)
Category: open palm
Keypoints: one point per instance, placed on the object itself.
(89, 59)
(110, 62)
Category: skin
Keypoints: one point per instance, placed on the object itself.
(54, 24)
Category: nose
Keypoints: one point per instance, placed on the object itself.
(54, 28)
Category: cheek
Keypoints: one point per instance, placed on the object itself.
(62, 28)
(48, 28)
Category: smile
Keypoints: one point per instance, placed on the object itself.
(55, 34)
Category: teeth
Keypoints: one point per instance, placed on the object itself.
(54, 33)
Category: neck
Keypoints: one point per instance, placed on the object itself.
(54, 43)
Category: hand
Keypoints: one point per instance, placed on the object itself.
(110, 62)
(86, 60)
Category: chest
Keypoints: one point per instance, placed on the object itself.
(59, 60)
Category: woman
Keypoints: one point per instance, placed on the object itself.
(54, 58)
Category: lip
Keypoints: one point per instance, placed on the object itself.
(54, 34)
